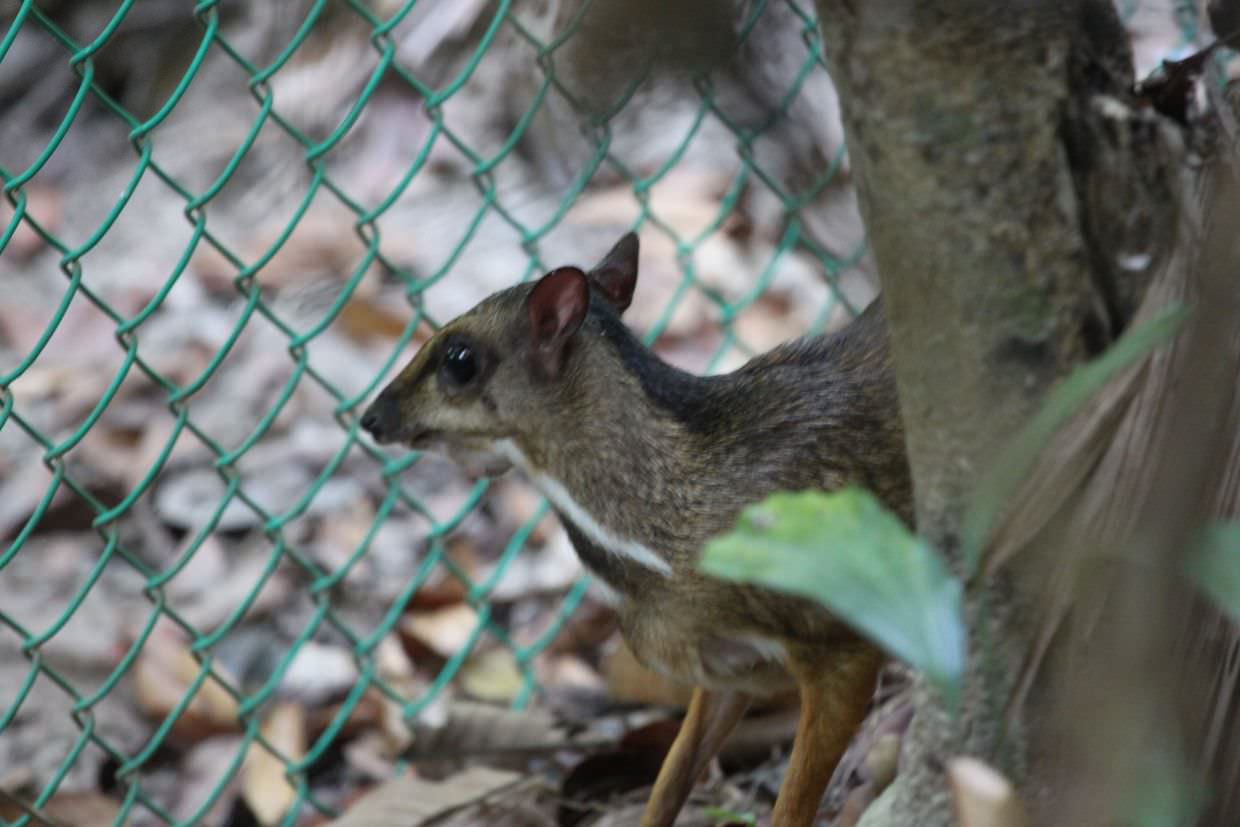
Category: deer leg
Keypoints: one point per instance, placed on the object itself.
(711, 716)
(835, 693)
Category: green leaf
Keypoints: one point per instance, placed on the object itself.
(722, 815)
(1215, 568)
(999, 485)
(1165, 793)
(846, 551)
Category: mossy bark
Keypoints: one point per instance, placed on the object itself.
(1014, 207)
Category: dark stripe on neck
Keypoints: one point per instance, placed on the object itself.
(687, 397)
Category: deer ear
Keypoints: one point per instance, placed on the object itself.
(616, 275)
(557, 305)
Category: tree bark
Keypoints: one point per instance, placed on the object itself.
(1017, 208)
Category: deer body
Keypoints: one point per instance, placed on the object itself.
(645, 463)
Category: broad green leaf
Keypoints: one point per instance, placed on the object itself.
(999, 485)
(846, 551)
(1216, 566)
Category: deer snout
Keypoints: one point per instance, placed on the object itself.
(382, 419)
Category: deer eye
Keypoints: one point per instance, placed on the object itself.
(460, 364)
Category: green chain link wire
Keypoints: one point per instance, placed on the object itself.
(128, 332)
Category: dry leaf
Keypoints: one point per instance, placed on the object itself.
(46, 206)
(445, 503)
(568, 672)
(199, 777)
(518, 502)
(337, 539)
(20, 492)
(589, 629)
(624, 813)
(43, 381)
(766, 323)
(883, 760)
(69, 809)
(319, 671)
(369, 755)
(444, 631)
(878, 770)
(188, 499)
(322, 243)
(686, 199)
(367, 317)
(366, 714)
(164, 671)
(207, 567)
(473, 729)
(397, 670)
(443, 589)
(492, 676)
(413, 801)
(982, 796)
(158, 430)
(552, 568)
(213, 605)
(264, 785)
(393, 664)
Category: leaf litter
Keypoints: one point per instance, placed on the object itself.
(220, 570)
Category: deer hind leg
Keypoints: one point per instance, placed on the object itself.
(711, 716)
(835, 693)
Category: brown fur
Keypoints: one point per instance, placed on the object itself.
(668, 459)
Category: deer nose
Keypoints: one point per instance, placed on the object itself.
(382, 419)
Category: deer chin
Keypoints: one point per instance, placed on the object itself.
(484, 466)
(476, 462)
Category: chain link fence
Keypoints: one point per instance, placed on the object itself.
(227, 224)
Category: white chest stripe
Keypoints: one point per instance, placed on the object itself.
(582, 519)
(766, 648)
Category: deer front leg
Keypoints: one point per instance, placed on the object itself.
(835, 693)
(711, 716)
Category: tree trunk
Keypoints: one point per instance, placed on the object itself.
(1019, 204)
